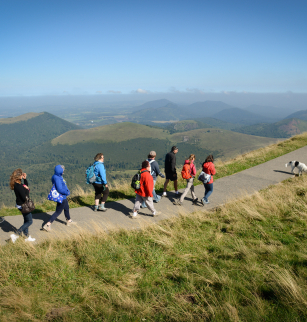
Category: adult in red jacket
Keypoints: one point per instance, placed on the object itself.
(145, 191)
(208, 167)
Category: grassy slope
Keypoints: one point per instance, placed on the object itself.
(281, 129)
(112, 132)
(23, 117)
(230, 142)
(243, 262)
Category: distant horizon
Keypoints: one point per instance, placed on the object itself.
(148, 48)
(290, 100)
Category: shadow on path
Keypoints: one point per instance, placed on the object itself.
(44, 217)
(283, 172)
(7, 227)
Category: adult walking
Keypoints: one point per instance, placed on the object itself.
(208, 167)
(155, 172)
(61, 187)
(21, 190)
(190, 175)
(100, 185)
(170, 170)
(144, 193)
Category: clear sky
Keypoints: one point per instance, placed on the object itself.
(110, 47)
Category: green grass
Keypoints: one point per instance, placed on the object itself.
(245, 261)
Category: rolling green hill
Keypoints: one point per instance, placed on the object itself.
(283, 129)
(227, 143)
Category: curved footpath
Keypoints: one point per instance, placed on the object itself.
(117, 216)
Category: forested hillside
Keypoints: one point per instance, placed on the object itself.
(31, 129)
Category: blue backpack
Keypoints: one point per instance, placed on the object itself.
(90, 176)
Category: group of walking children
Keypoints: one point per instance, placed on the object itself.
(96, 175)
(58, 193)
(145, 191)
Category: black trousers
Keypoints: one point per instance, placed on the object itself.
(100, 189)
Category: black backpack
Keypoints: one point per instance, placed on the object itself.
(135, 183)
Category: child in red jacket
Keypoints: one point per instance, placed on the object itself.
(145, 191)
(208, 167)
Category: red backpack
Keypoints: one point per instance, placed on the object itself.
(186, 172)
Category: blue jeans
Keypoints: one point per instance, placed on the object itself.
(27, 223)
(208, 190)
(59, 208)
(155, 197)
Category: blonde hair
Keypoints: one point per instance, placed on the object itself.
(15, 177)
(191, 157)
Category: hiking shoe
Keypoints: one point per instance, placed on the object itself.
(102, 209)
(1, 220)
(203, 201)
(14, 238)
(30, 239)
(158, 199)
(70, 223)
(47, 227)
(95, 208)
(134, 215)
(195, 201)
(156, 213)
(177, 202)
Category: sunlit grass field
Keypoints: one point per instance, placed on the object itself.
(245, 261)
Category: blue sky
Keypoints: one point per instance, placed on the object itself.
(111, 47)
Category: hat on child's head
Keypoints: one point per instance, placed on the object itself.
(145, 164)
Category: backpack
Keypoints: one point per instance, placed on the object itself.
(90, 176)
(135, 182)
(204, 177)
(186, 172)
(150, 162)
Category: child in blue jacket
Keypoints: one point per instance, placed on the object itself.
(61, 187)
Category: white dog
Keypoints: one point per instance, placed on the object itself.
(295, 164)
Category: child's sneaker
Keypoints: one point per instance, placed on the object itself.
(47, 227)
(14, 238)
(102, 208)
(156, 213)
(70, 223)
(134, 215)
(30, 239)
(204, 201)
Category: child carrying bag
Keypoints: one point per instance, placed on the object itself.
(204, 177)
(54, 195)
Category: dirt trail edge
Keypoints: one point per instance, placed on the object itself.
(117, 216)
